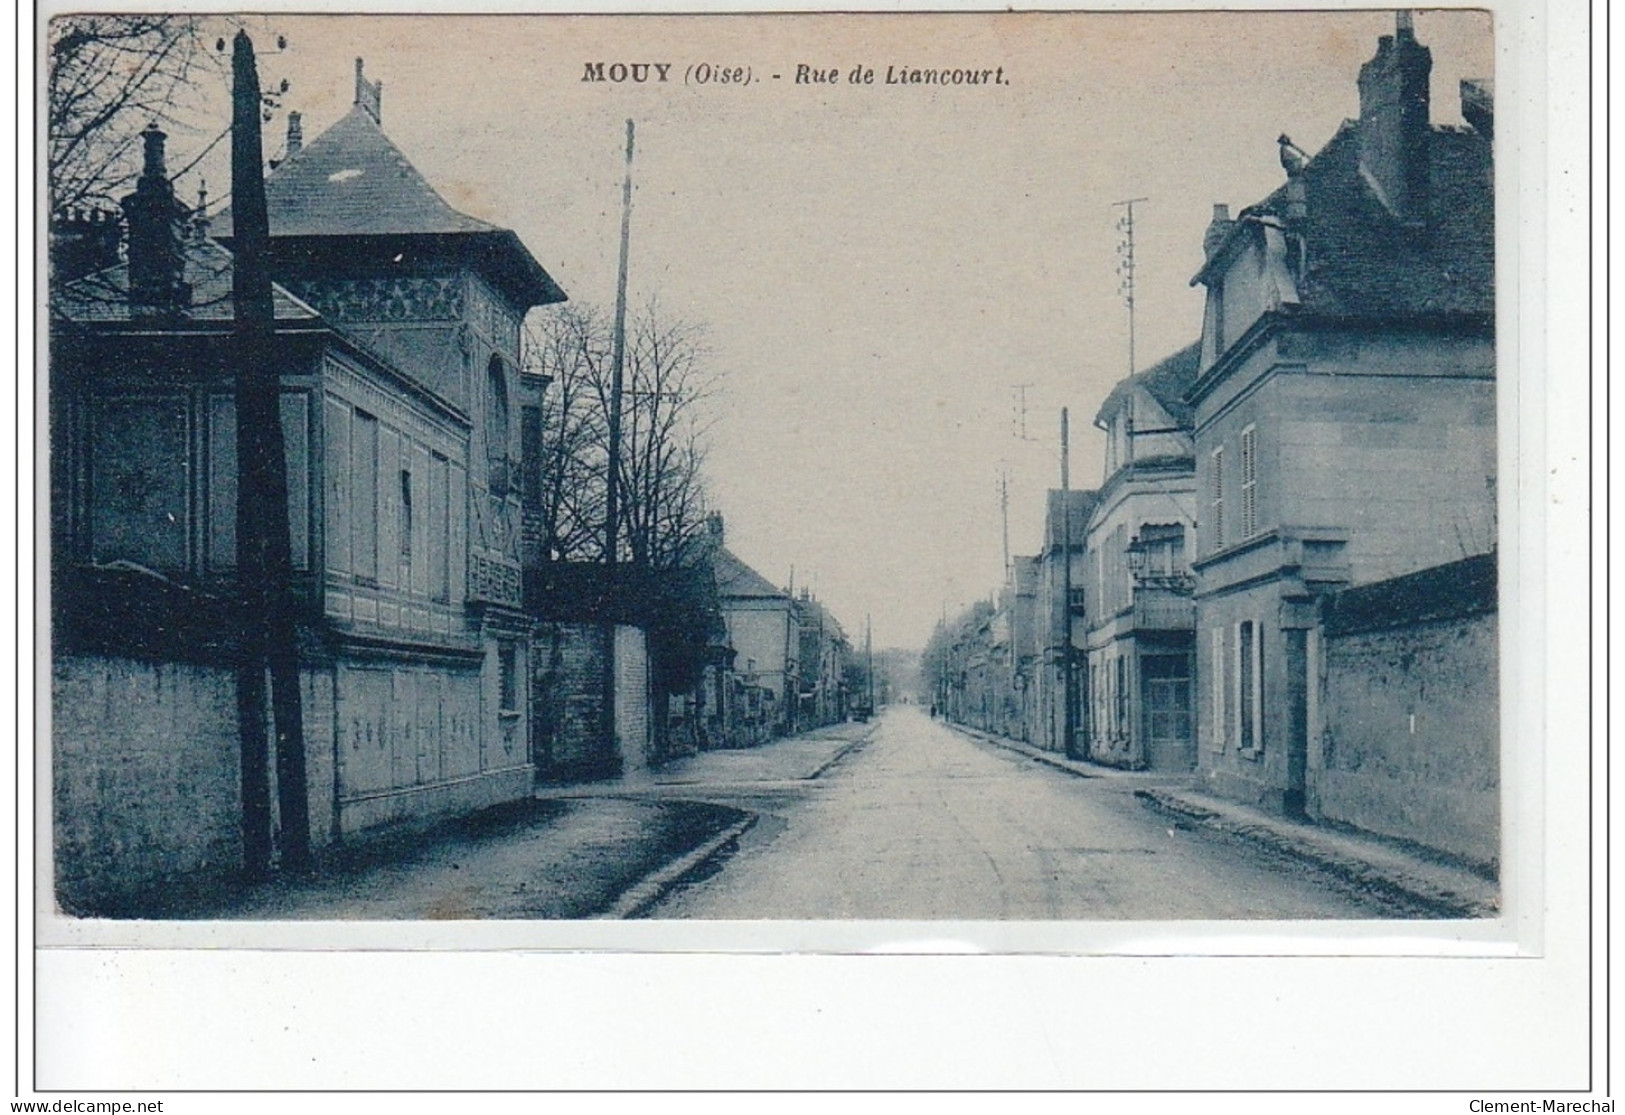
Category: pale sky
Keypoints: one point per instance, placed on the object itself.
(878, 266)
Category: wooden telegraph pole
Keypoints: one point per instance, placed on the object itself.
(1069, 683)
(264, 556)
(612, 490)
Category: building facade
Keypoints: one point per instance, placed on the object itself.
(1061, 603)
(1344, 412)
(1141, 621)
(398, 332)
(763, 629)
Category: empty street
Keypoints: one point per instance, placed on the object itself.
(924, 822)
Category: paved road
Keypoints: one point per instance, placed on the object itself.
(922, 822)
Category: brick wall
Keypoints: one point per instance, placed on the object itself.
(568, 670)
(567, 662)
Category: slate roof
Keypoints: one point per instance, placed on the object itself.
(1167, 381)
(1082, 506)
(352, 181)
(738, 581)
(1365, 262)
(105, 296)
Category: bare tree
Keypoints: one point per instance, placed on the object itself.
(669, 382)
(570, 345)
(109, 76)
(664, 423)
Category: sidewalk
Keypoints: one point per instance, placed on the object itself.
(786, 759)
(526, 860)
(1370, 862)
(600, 849)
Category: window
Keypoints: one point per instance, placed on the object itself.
(1250, 685)
(530, 455)
(1120, 706)
(140, 476)
(1216, 496)
(496, 425)
(1217, 661)
(1249, 482)
(364, 493)
(439, 528)
(508, 673)
(406, 514)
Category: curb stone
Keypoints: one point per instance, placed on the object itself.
(652, 888)
(1440, 901)
(1059, 762)
(839, 755)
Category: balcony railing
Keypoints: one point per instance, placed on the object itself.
(1163, 609)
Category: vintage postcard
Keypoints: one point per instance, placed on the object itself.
(1024, 481)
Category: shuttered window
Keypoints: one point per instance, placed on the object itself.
(1249, 482)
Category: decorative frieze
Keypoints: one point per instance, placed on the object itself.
(493, 320)
(493, 582)
(399, 299)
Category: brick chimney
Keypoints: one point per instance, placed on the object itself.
(369, 94)
(296, 134)
(157, 229)
(1394, 127)
(1218, 228)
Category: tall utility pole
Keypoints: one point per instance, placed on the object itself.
(264, 553)
(792, 700)
(1125, 266)
(612, 498)
(869, 659)
(1068, 681)
(612, 488)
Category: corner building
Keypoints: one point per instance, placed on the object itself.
(1344, 422)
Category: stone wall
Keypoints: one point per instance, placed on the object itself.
(145, 773)
(633, 724)
(1409, 738)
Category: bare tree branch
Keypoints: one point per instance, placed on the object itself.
(664, 422)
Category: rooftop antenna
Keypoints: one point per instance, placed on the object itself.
(1018, 413)
(1125, 265)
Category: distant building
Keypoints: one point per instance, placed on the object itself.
(824, 655)
(1141, 622)
(1061, 620)
(1026, 641)
(1345, 437)
(763, 632)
